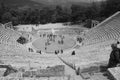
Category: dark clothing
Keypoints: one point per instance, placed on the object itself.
(114, 58)
(56, 52)
(73, 53)
(78, 71)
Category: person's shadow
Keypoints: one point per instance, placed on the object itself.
(104, 70)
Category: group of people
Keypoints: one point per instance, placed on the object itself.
(51, 38)
(79, 39)
(30, 50)
(58, 51)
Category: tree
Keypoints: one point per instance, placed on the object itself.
(6, 17)
(45, 15)
(78, 13)
(93, 11)
(110, 7)
(57, 14)
(3, 10)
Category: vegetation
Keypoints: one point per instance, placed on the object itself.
(76, 14)
(22, 40)
(110, 7)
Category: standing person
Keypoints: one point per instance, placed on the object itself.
(73, 53)
(40, 52)
(55, 52)
(61, 51)
(114, 56)
(29, 49)
(58, 51)
(45, 49)
(78, 71)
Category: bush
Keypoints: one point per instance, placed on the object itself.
(22, 40)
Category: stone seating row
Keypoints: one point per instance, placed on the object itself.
(108, 30)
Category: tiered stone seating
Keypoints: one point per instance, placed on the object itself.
(115, 73)
(17, 76)
(107, 30)
(8, 36)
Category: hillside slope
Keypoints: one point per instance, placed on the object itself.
(42, 3)
(22, 4)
